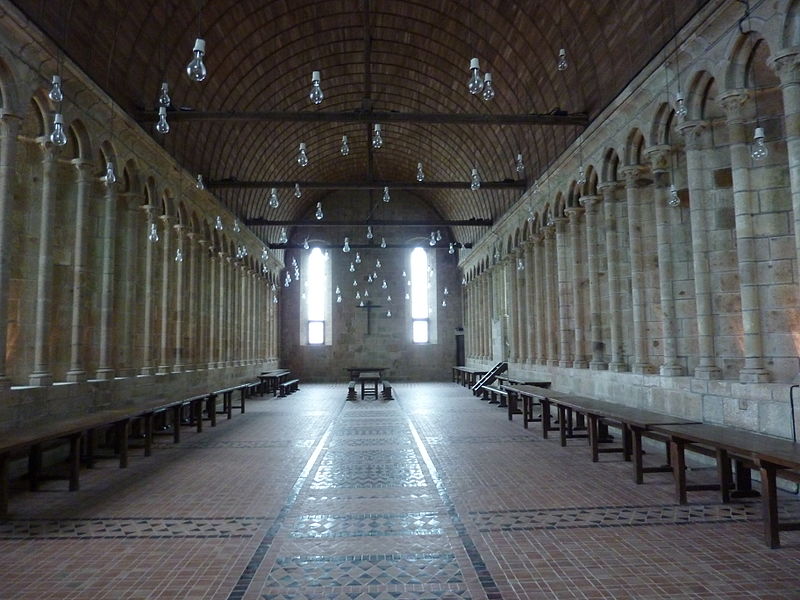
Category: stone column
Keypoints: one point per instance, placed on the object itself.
(105, 366)
(608, 190)
(786, 64)
(519, 308)
(563, 293)
(180, 295)
(551, 302)
(126, 287)
(697, 137)
(147, 300)
(221, 307)
(230, 311)
(597, 363)
(578, 277)
(44, 276)
(9, 128)
(213, 311)
(508, 312)
(483, 315)
(540, 298)
(166, 259)
(660, 158)
(633, 179)
(194, 322)
(745, 206)
(468, 320)
(528, 290)
(77, 370)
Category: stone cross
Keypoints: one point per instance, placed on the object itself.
(369, 306)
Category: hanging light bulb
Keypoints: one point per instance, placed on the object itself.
(536, 189)
(358, 295)
(562, 60)
(218, 223)
(520, 265)
(196, 70)
(519, 166)
(273, 198)
(444, 303)
(355, 283)
(346, 247)
(283, 239)
(298, 193)
(339, 299)
(388, 298)
(361, 304)
(432, 241)
(383, 242)
(358, 258)
(474, 179)
(451, 249)
(475, 83)
(56, 94)
(110, 177)
(338, 291)
(179, 255)
(581, 179)
(163, 97)
(366, 293)
(680, 105)
(57, 136)
(488, 88)
(264, 254)
(319, 214)
(274, 299)
(199, 183)
(302, 155)
(287, 281)
(404, 275)
(377, 139)
(674, 199)
(162, 126)
(378, 264)
(273, 287)
(384, 285)
(369, 279)
(345, 149)
(438, 235)
(386, 196)
(389, 314)
(464, 281)
(374, 275)
(759, 151)
(236, 228)
(305, 244)
(316, 96)
(408, 296)
(420, 172)
(370, 235)
(152, 234)
(352, 268)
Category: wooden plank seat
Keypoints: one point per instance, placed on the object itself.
(495, 395)
(271, 379)
(386, 392)
(351, 391)
(773, 457)
(287, 387)
(467, 376)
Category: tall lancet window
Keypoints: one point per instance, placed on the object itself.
(317, 304)
(422, 291)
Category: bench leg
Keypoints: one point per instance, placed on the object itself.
(229, 404)
(122, 440)
(769, 505)
(197, 412)
(3, 484)
(545, 418)
(677, 449)
(34, 466)
(724, 474)
(148, 434)
(562, 425)
(626, 442)
(744, 482)
(176, 424)
(638, 474)
(593, 436)
(211, 408)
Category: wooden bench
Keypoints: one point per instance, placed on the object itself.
(270, 380)
(467, 376)
(287, 387)
(387, 390)
(495, 395)
(351, 391)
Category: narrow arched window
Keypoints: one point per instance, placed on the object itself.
(317, 303)
(420, 297)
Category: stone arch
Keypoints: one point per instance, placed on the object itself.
(743, 69)
(78, 143)
(634, 147)
(701, 98)
(106, 154)
(590, 187)
(131, 178)
(610, 166)
(9, 100)
(662, 125)
(791, 28)
(34, 123)
(573, 195)
(559, 206)
(167, 203)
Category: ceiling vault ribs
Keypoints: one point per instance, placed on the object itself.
(361, 185)
(377, 222)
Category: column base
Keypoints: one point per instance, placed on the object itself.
(754, 376)
(598, 365)
(104, 374)
(211, 365)
(643, 369)
(76, 376)
(40, 379)
(552, 363)
(579, 364)
(145, 371)
(707, 372)
(5, 383)
(178, 369)
(618, 367)
(163, 370)
(670, 370)
(565, 364)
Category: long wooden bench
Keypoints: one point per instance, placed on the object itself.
(495, 395)
(287, 387)
(467, 376)
(386, 392)
(351, 391)
(270, 380)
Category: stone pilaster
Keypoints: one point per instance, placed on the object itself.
(194, 321)
(578, 278)
(105, 366)
(213, 310)
(551, 298)
(597, 363)
(697, 139)
(167, 259)
(564, 294)
(540, 298)
(608, 190)
(508, 313)
(530, 312)
(147, 367)
(745, 206)
(180, 297)
(9, 127)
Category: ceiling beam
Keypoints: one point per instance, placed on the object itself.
(364, 185)
(438, 246)
(370, 116)
(377, 222)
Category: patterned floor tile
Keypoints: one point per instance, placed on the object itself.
(318, 526)
(129, 528)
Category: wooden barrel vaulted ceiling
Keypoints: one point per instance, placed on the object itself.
(397, 56)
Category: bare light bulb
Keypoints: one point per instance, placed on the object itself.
(302, 155)
(420, 172)
(199, 182)
(163, 96)
(370, 235)
(346, 247)
(389, 314)
(352, 268)
(57, 136)
(358, 258)
(438, 235)
(339, 299)
(581, 176)
(338, 291)
(162, 126)
(345, 149)
(520, 265)
(475, 83)
(316, 96)
(386, 196)
(377, 138)
(680, 106)
(319, 214)
(305, 244)
(759, 151)
(384, 285)
(110, 177)
(432, 241)
(383, 242)
(355, 283)
(378, 264)
(446, 293)
(56, 94)
(358, 295)
(519, 166)
(152, 234)
(298, 193)
(179, 255)
(451, 249)
(218, 223)
(274, 299)
(196, 70)
(283, 239)
(488, 88)
(674, 199)
(474, 179)
(236, 228)
(562, 60)
(273, 198)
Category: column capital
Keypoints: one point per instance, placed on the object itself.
(573, 212)
(633, 174)
(695, 134)
(786, 64)
(590, 203)
(734, 102)
(9, 118)
(608, 189)
(660, 158)
(167, 219)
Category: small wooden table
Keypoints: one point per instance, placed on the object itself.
(369, 383)
(355, 372)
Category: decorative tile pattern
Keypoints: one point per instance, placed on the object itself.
(130, 528)
(366, 469)
(236, 444)
(463, 594)
(319, 526)
(365, 570)
(476, 439)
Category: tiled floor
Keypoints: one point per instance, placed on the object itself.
(433, 496)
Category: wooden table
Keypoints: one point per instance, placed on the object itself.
(271, 379)
(369, 383)
(354, 372)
